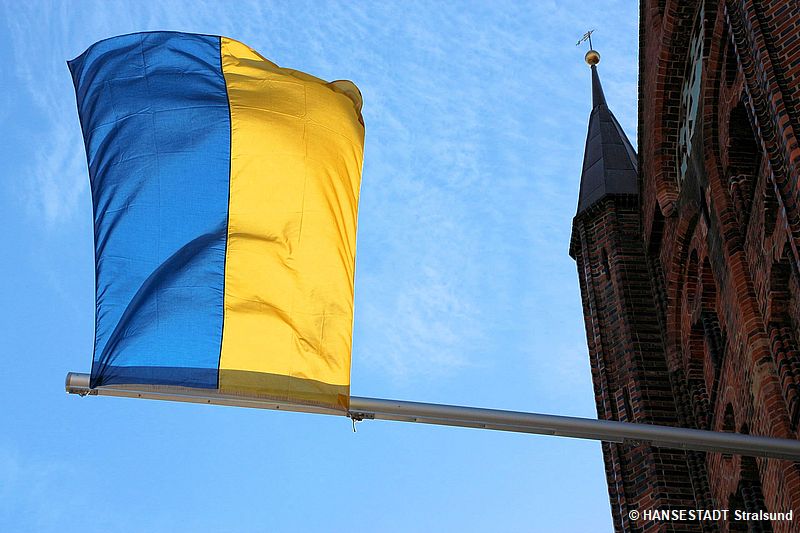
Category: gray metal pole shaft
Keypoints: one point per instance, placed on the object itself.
(451, 415)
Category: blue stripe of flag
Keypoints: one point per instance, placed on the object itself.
(154, 112)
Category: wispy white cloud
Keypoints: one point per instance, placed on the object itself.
(57, 178)
(53, 176)
(419, 327)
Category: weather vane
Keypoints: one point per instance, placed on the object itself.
(586, 37)
(592, 56)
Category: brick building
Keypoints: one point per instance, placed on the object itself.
(689, 258)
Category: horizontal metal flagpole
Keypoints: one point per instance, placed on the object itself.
(452, 415)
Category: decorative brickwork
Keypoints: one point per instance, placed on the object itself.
(629, 371)
(691, 288)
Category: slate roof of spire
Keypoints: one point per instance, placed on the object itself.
(609, 161)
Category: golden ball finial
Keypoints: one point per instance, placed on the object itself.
(592, 58)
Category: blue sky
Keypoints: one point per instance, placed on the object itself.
(476, 118)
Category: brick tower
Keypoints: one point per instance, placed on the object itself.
(689, 260)
(629, 370)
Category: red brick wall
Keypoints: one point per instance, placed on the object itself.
(727, 243)
(691, 291)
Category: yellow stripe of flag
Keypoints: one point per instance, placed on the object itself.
(297, 147)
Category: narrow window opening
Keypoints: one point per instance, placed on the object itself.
(743, 163)
(604, 263)
(731, 64)
(626, 400)
(728, 420)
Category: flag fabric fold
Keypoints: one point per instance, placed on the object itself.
(225, 193)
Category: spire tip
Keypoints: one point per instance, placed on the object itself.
(592, 57)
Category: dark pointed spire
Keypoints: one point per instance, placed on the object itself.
(609, 161)
(598, 98)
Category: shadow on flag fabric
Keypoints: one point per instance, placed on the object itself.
(225, 193)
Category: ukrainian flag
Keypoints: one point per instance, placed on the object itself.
(225, 193)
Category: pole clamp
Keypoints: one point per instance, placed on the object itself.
(358, 416)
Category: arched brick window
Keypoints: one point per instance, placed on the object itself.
(783, 331)
(712, 331)
(728, 419)
(654, 263)
(729, 426)
(749, 497)
(696, 379)
(743, 163)
(731, 63)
